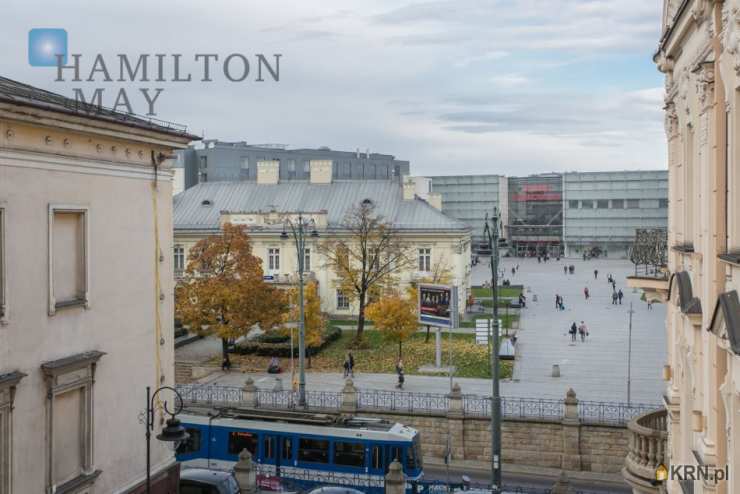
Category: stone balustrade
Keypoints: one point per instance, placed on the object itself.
(646, 451)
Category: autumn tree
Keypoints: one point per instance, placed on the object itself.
(395, 317)
(222, 291)
(313, 319)
(366, 257)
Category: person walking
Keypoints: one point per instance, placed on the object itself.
(346, 366)
(565, 270)
(513, 271)
(596, 273)
(614, 298)
(399, 371)
(557, 301)
(620, 295)
(573, 331)
(351, 365)
(585, 292)
(583, 331)
(650, 304)
(614, 285)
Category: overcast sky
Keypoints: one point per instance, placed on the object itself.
(455, 86)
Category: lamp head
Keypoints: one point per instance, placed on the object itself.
(174, 433)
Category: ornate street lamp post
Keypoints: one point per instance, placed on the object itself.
(173, 433)
(492, 235)
(298, 231)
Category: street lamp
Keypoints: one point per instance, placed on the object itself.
(173, 433)
(492, 235)
(298, 231)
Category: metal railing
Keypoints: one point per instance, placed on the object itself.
(372, 400)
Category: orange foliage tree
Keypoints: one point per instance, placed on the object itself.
(395, 317)
(314, 320)
(222, 291)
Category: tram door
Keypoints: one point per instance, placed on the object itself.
(277, 450)
(377, 463)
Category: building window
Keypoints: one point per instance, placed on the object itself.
(273, 259)
(602, 204)
(3, 287)
(203, 162)
(69, 256)
(245, 163)
(663, 203)
(70, 417)
(291, 168)
(633, 203)
(306, 259)
(8, 384)
(342, 301)
(617, 203)
(179, 258)
(307, 166)
(573, 204)
(425, 260)
(587, 204)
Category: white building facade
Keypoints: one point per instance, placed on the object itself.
(86, 298)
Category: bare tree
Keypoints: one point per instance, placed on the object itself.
(367, 258)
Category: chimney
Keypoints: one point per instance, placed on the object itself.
(435, 200)
(321, 171)
(409, 188)
(268, 172)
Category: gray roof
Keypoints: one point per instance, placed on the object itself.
(289, 197)
(24, 94)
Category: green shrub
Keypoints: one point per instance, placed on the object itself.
(281, 348)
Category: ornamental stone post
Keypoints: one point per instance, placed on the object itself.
(249, 394)
(394, 480)
(456, 424)
(571, 433)
(349, 397)
(245, 473)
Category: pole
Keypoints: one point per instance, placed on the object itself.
(495, 392)
(149, 412)
(629, 360)
(300, 244)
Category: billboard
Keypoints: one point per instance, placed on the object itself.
(436, 304)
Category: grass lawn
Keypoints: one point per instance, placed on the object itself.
(503, 291)
(506, 320)
(380, 356)
(489, 303)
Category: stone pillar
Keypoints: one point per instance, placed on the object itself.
(349, 397)
(562, 485)
(571, 434)
(249, 394)
(394, 480)
(456, 424)
(245, 473)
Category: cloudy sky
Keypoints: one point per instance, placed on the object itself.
(455, 86)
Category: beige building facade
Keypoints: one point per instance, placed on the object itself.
(699, 53)
(86, 294)
(433, 239)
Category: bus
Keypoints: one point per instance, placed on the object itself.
(306, 450)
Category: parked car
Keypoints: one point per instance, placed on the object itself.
(206, 481)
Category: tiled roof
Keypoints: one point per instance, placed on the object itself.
(24, 94)
(336, 198)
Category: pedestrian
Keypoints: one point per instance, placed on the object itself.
(399, 371)
(596, 273)
(585, 292)
(522, 300)
(573, 330)
(614, 298)
(614, 285)
(609, 278)
(513, 271)
(565, 270)
(539, 259)
(650, 304)
(517, 268)
(351, 365)
(557, 301)
(346, 366)
(583, 331)
(226, 365)
(562, 305)
(620, 295)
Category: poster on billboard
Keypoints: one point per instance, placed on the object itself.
(436, 304)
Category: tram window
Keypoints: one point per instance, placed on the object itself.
(313, 450)
(239, 441)
(192, 444)
(410, 459)
(376, 457)
(269, 446)
(287, 449)
(349, 454)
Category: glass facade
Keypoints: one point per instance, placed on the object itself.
(535, 224)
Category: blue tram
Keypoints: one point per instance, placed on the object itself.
(305, 450)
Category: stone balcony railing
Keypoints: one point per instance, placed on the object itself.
(646, 451)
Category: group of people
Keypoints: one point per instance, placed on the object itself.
(581, 330)
(569, 269)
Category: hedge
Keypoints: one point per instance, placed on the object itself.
(267, 347)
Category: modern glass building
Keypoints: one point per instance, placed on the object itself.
(535, 224)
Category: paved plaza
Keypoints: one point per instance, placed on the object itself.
(596, 369)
